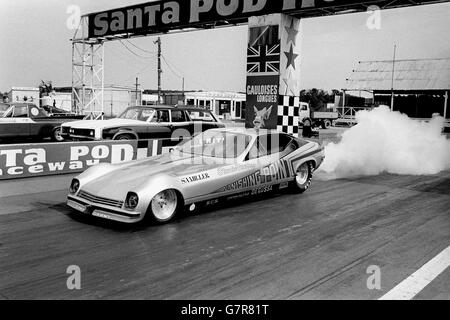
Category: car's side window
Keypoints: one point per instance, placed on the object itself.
(161, 116)
(283, 142)
(145, 114)
(20, 112)
(178, 116)
(258, 150)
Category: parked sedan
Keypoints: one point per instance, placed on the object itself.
(146, 122)
(217, 165)
(21, 121)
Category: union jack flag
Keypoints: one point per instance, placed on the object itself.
(263, 59)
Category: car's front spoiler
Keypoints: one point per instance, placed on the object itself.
(93, 209)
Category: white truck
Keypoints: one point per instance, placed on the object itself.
(315, 119)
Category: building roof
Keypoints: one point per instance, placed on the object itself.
(215, 94)
(24, 89)
(417, 74)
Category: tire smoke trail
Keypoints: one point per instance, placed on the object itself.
(386, 141)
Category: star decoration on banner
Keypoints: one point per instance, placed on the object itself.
(291, 33)
(291, 56)
(291, 85)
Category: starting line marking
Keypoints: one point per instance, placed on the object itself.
(412, 285)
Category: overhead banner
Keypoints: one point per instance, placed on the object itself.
(30, 160)
(158, 16)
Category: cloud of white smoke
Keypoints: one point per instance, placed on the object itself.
(386, 141)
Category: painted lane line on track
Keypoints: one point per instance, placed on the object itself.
(412, 285)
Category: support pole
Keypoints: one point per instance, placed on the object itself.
(343, 103)
(392, 80)
(445, 104)
(159, 69)
(136, 96)
(182, 88)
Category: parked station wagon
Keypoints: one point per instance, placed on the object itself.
(171, 123)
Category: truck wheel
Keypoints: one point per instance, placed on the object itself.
(326, 124)
(56, 135)
(303, 177)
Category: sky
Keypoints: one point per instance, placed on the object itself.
(35, 44)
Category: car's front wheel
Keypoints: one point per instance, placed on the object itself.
(164, 205)
(303, 177)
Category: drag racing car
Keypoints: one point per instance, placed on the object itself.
(217, 165)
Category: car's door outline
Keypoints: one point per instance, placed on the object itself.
(180, 129)
(20, 125)
(151, 124)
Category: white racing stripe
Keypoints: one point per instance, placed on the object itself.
(412, 285)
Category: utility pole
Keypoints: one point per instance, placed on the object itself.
(159, 68)
(392, 80)
(182, 87)
(137, 86)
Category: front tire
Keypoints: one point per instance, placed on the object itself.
(165, 205)
(303, 177)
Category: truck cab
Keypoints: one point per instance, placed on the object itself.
(304, 111)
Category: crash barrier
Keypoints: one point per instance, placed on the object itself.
(31, 160)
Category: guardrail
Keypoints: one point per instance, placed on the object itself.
(31, 160)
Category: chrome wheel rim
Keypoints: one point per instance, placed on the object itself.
(302, 174)
(164, 204)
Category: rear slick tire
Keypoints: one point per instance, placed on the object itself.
(303, 177)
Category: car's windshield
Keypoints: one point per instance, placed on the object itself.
(4, 107)
(219, 144)
(142, 114)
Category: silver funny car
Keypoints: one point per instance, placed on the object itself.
(216, 165)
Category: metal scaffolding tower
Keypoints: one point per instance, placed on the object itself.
(87, 72)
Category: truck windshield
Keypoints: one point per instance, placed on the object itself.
(142, 114)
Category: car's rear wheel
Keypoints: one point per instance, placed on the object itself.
(56, 135)
(164, 205)
(303, 177)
